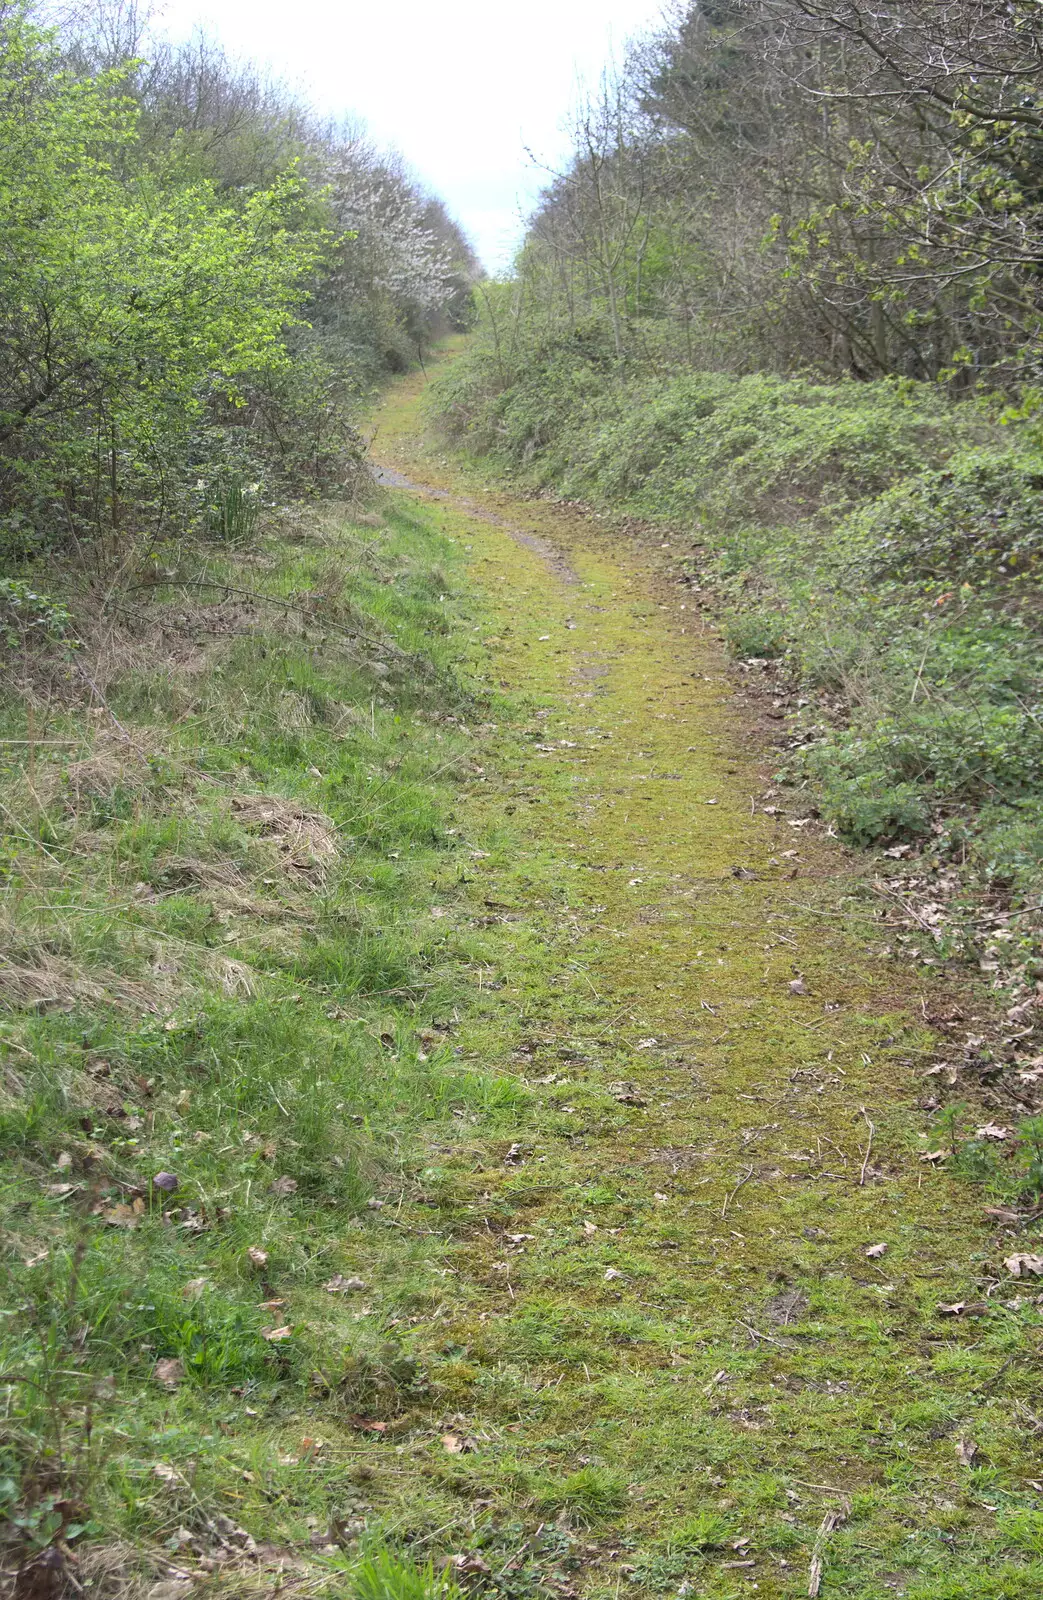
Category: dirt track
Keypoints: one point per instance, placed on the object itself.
(678, 1267)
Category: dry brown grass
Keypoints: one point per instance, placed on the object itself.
(120, 1571)
(306, 840)
(114, 761)
(56, 982)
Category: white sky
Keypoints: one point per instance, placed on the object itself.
(460, 88)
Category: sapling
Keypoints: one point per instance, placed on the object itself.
(951, 1124)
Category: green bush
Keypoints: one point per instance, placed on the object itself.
(701, 445)
(755, 633)
(867, 809)
(978, 520)
(25, 614)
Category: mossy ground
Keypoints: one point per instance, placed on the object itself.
(618, 1334)
(695, 1369)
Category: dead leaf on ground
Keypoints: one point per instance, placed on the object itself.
(61, 1191)
(257, 1257)
(284, 1185)
(798, 986)
(612, 1273)
(168, 1372)
(875, 1251)
(454, 1444)
(338, 1284)
(590, 1229)
(515, 1154)
(123, 1216)
(1024, 1263)
(991, 1131)
(165, 1472)
(966, 1450)
(277, 1335)
(468, 1565)
(628, 1094)
(176, 1588)
(64, 1161)
(194, 1288)
(934, 1155)
(367, 1425)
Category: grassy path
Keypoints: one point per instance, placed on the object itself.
(662, 1325)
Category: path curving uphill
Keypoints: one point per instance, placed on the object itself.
(721, 1328)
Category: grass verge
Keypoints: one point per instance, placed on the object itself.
(228, 1011)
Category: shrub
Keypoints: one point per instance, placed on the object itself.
(978, 519)
(756, 634)
(24, 613)
(867, 809)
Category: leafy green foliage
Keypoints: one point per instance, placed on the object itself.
(197, 288)
(132, 300)
(692, 445)
(977, 520)
(25, 614)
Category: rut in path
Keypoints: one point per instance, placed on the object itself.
(667, 1286)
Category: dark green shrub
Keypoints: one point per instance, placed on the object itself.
(867, 809)
(980, 518)
(755, 633)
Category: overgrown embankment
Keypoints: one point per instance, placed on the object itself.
(223, 1015)
(875, 549)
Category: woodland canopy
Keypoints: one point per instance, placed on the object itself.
(853, 186)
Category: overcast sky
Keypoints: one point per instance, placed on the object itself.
(461, 88)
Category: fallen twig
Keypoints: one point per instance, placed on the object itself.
(869, 1151)
(765, 1336)
(731, 1196)
(831, 1520)
(878, 888)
